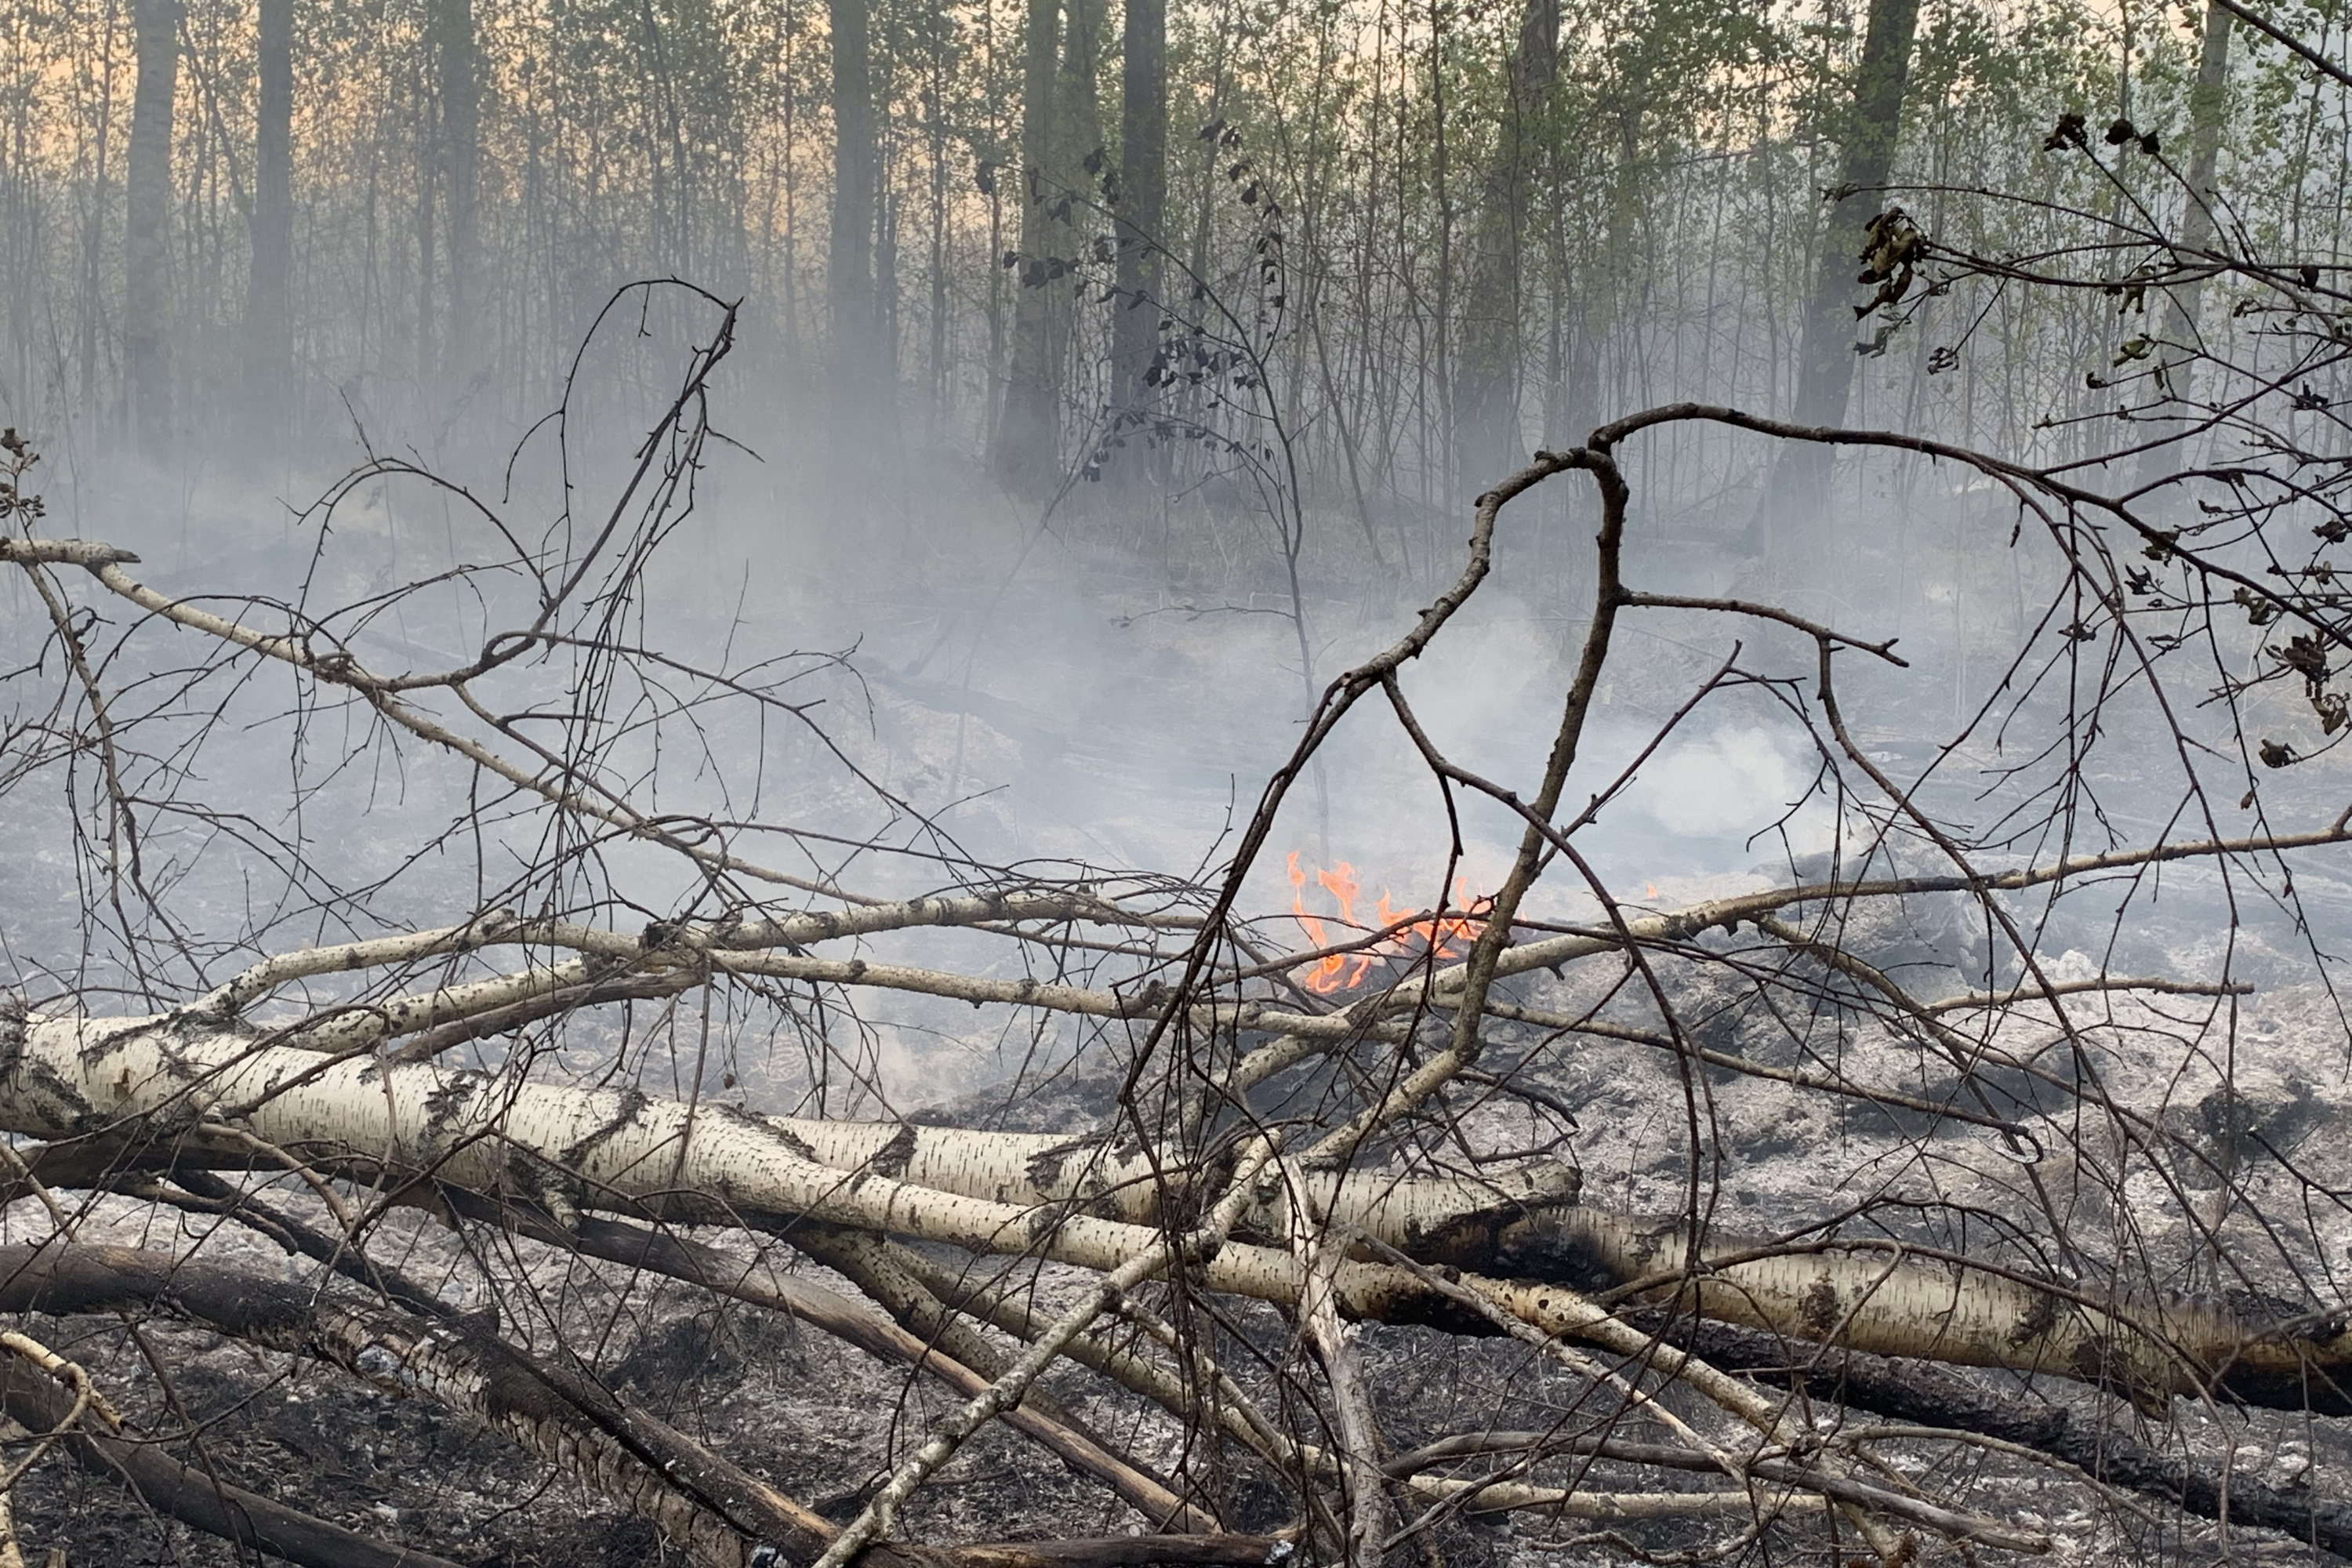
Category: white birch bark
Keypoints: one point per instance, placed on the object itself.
(624, 1150)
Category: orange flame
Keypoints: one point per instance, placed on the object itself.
(1438, 935)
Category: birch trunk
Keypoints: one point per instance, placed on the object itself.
(620, 1150)
(457, 56)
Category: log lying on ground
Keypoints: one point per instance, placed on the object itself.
(195, 1497)
(1468, 1222)
(1882, 1296)
(1935, 1396)
(752, 1282)
(1871, 1295)
(642, 1247)
(659, 1251)
(713, 1509)
(614, 1117)
(624, 1150)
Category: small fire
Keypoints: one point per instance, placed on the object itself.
(1441, 935)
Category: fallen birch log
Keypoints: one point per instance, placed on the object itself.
(621, 1149)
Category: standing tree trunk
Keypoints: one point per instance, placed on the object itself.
(849, 268)
(1081, 120)
(1487, 440)
(1795, 509)
(1143, 204)
(1023, 456)
(455, 53)
(268, 327)
(428, 182)
(2207, 105)
(147, 193)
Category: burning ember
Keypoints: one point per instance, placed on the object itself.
(1399, 935)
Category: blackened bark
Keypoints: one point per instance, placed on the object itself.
(1143, 199)
(1486, 378)
(849, 267)
(195, 1497)
(1825, 373)
(147, 195)
(215, 1196)
(457, 56)
(1928, 1395)
(269, 325)
(1024, 453)
(1795, 509)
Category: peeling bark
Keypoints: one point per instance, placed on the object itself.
(571, 1150)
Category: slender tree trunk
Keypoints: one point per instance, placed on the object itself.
(1487, 441)
(1825, 377)
(1143, 203)
(2207, 103)
(268, 326)
(456, 57)
(1080, 123)
(1436, 452)
(1023, 454)
(849, 266)
(1795, 510)
(887, 341)
(1078, 166)
(990, 178)
(147, 192)
(936, 361)
(428, 180)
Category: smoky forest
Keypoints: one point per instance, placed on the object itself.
(1244, 783)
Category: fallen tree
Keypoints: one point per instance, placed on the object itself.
(569, 1151)
(1278, 1140)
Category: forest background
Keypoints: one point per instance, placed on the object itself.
(1397, 245)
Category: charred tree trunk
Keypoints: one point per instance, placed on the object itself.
(2208, 104)
(1080, 154)
(1143, 204)
(459, 88)
(719, 1513)
(147, 193)
(1486, 374)
(268, 326)
(195, 1497)
(1024, 458)
(849, 269)
(1793, 514)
